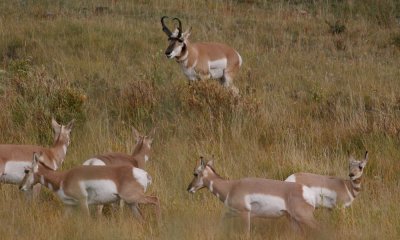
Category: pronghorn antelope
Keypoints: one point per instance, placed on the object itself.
(139, 157)
(333, 191)
(257, 197)
(202, 60)
(86, 185)
(15, 158)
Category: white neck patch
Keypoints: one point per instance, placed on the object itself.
(211, 186)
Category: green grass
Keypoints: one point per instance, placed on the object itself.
(310, 98)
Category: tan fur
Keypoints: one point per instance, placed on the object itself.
(197, 56)
(345, 190)
(233, 193)
(128, 188)
(137, 159)
(53, 156)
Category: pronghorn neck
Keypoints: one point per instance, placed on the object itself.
(218, 186)
(356, 186)
(141, 153)
(49, 178)
(183, 57)
(59, 150)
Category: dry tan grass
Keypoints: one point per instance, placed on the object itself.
(309, 98)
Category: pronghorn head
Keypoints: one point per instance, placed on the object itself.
(31, 177)
(143, 142)
(177, 40)
(356, 167)
(201, 172)
(61, 132)
(146, 140)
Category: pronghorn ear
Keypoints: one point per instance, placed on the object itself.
(152, 133)
(186, 34)
(202, 162)
(135, 133)
(366, 156)
(70, 125)
(55, 125)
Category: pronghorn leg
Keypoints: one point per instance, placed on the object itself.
(227, 81)
(84, 206)
(36, 191)
(154, 201)
(136, 212)
(145, 200)
(68, 209)
(28, 195)
(121, 204)
(245, 216)
(99, 209)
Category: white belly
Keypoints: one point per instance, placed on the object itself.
(94, 161)
(100, 191)
(14, 171)
(217, 68)
(263, 205)
(324, 197)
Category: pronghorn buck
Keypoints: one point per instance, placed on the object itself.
(257, 197)
(333, 191)
(15, 158)
(139, 157)
(202, 60)
(86, 185)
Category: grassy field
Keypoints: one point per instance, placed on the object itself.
(312, 94)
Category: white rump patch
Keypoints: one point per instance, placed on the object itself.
(99, 191)
(291, 178)
(324, 197)
(141, 176)
(14, 171)
(217, 67)
(94, 161)
(264, 205)
(146, 158)
(309, 196)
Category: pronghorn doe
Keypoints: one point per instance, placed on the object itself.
(139, 157)
(86, 185)
(257, 197)
(333, 191)
(202, 60)
(15, 158)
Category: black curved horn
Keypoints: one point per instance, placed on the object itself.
(179, 27)
(165, 28)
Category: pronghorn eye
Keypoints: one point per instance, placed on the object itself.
(360, 167)
(26, 171)
(195, 174)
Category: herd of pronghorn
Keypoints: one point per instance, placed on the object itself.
(113, 177)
